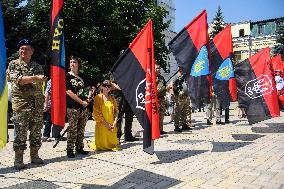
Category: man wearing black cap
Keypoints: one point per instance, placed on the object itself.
(27, 77)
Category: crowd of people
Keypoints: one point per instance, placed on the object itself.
(107, 107)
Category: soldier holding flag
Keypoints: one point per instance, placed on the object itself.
(161, 89)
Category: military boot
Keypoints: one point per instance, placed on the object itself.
(177, 129)
(18, 163)
(70, 153)
(34, 156)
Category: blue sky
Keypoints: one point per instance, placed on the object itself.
(233, 10)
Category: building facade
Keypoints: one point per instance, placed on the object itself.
(170, 6)
(169, 35)
(251, 37)
(171, 61)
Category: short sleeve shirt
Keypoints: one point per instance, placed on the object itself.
(76, 85)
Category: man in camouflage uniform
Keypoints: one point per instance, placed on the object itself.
(161, 89)
(182, 110)
(27, 77)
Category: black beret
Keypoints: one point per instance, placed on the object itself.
(24, 42)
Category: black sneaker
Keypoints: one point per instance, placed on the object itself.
(219, 123)
(227, 121)
(61, 139)
(82, 151)
(163, 132)
(70, 153)
(131, 139)
(209, 122)
(177, 129)
(186, 128)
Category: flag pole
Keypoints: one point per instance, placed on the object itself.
(172, 76)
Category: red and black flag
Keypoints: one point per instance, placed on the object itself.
(190, 48)
(278, 72)
(57, 65)
(221, 48)
(135, 74)
(256, 88)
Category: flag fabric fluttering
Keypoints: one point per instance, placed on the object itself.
(222, 68)
(278, 72)
(190, 48)
(135, 74)
(256, 88)
(3, 85)
(57, 65)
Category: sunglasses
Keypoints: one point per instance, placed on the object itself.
(108, 86)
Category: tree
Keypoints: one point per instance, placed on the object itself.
(96, 31)
(279, 48)
(218, 23)
(15, 27)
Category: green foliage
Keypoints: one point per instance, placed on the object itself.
(94, 30)
(279, 48)
(15, 27)
(218, 23)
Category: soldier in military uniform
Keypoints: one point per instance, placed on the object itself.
(77, 111)
(161, 89)
(123, 109)
(27, 103)
(182, 118)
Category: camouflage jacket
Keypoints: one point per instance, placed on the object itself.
(28, 96)
(161, 85)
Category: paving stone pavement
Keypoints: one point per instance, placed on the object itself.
(235, 155)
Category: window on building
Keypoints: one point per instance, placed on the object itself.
(261, 29)
(241, 33)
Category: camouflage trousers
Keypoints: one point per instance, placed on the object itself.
(77, 119)
(162, 109)
(24, 121)
(182, 111)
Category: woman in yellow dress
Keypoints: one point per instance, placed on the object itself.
(105, 114)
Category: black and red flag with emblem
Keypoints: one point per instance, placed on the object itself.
(221, 48)
(190, 48)
(135, 74)
(278, 72)
(256, 88)
(57, 65)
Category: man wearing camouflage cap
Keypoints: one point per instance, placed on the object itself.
(27, 102)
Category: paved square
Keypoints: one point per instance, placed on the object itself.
(236, 155)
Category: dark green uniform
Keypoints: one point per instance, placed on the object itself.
(161, 89)
(182, 109)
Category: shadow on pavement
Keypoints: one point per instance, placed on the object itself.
(186, 141)
(200, 126)
(228, 146)
(46, 162)
(236, 121)
(129, 144)
(139, 179)
(175, 155)
(246, 137)
(272, 128)
(35, 184)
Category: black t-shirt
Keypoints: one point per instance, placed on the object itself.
(76, 85)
